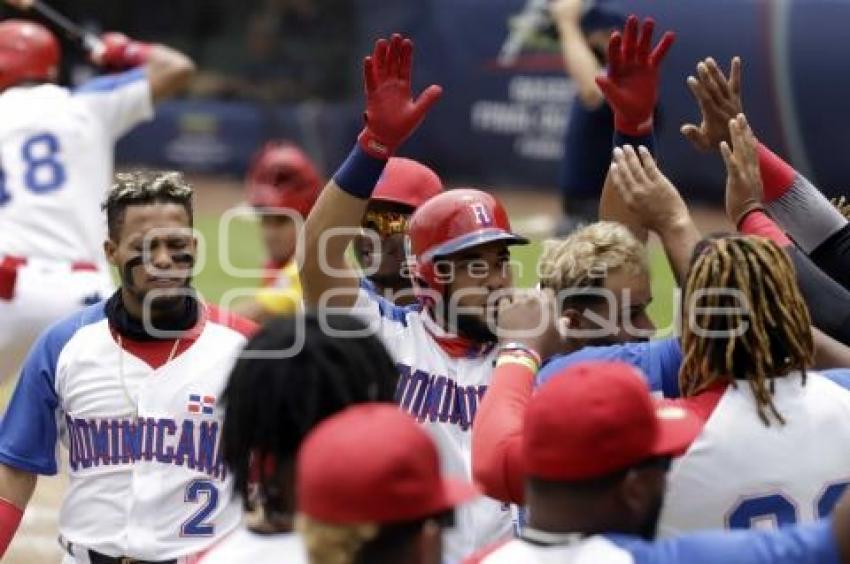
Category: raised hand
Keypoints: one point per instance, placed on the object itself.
(530, 317)
(719, 101)
(646, 191)
(391, 112)
(631, 85)
(744, 189)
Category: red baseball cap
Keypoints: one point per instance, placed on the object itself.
(371, 463)
(407, 182)
(595, 418)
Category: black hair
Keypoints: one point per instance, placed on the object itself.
(395, 540)
(141, 187)
(272, 403)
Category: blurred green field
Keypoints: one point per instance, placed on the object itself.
(244, 250)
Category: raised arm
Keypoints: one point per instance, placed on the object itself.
(169, 71)
(579, 60)
(391, 116)
(528, 332)
(653, 198)
(631, 89)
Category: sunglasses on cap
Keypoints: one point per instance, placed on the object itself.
(386, 223)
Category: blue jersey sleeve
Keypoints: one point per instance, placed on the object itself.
(659, 360)
(840, 376)
(28, 430)
(813, 543)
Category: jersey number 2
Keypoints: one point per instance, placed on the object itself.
(43, 172)
(780, 509)
(205, 491)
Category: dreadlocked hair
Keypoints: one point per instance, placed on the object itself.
(275, 397)
(764, 330)
(142, 187)
(842, 205)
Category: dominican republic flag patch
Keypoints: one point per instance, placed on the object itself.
(201, 404)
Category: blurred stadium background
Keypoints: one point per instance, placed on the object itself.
(290, 69)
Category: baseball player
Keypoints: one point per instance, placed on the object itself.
(270, 405)
(369, 490)
(131, 387)
(595, 454)
(282, 186)
(56, 159)
(460, 240)
(404, 186)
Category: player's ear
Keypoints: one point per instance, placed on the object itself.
(110, 249)
(570, 320)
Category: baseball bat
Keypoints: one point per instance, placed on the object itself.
(88, 40)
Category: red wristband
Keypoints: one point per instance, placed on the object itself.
(758, 223)
(777, 175)
(10, 518)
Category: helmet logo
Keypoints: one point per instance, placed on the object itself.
(482, 216)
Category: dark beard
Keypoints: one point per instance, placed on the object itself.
(649, 527)
(472, 328)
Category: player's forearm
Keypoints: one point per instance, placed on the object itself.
(679, 239)
(829, 353)
(497, 433)
(16, 489)
(331, 226)
(796, 204)
(580, 63)
(613, 208)
(169, 71)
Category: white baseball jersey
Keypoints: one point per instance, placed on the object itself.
(244, 546)
(143, 436)
(56, 163)
(442, 391)
(813, 543)
(740, 473)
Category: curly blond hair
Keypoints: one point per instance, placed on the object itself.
(585, 258)
(329, 543)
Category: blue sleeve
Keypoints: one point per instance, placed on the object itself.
(386, 308)
(28, 430)
(659, 360)
(110, 82)
(840, 376)
(813, 543)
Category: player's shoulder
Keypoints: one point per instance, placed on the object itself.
(63, 330)
(111, 82)
(838, 376)
(53, 340)
(481, 556)
(230, 320)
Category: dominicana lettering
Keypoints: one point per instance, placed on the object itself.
(432, 397)
(110, 442)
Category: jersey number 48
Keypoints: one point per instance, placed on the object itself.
(43, 172)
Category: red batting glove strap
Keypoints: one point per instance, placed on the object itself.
(372, 146)
(10, 518)
(121, 52)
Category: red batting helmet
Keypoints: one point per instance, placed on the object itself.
(453, 221)
(407, 182)
(28, 51)
(282, 176)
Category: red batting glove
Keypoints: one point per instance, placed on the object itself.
(121, 53)
(391, 113)
(631, 86)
